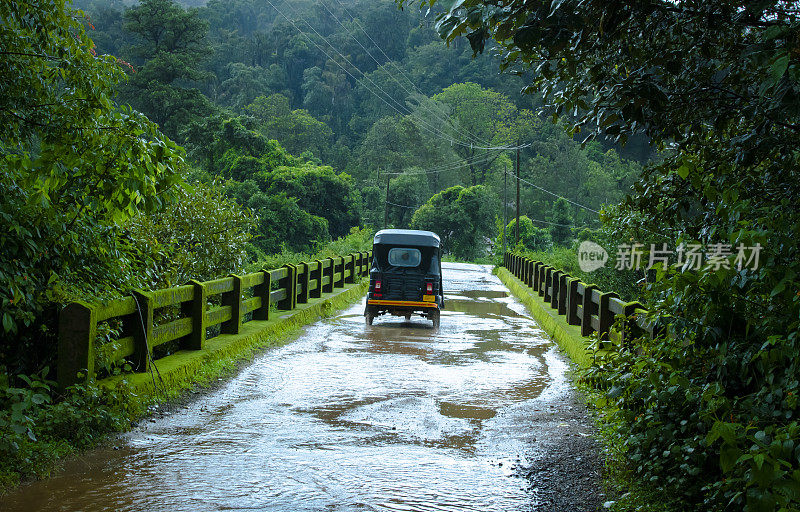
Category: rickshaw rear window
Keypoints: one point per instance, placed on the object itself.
(404, 257)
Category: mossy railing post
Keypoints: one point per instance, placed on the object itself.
(542, 282)
(196, 310)
(536, 266)
(572, 301)
(548, 282)
(586, 317)
(233, 299)
(316, 293)
(331, 270)
(629, 311)
(555, 285)
(531, 273)
(350, 264)
(339, 269)
(143, 332)
(304, 282)
(262, 290)
(605, 316)
(563, 293)
(77, 330)
(289, 283)
(529, 267)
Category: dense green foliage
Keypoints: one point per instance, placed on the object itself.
(225, 78)
(73, 166)
(707, 414)
(531, 237)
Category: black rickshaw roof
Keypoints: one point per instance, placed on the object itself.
(410, 237)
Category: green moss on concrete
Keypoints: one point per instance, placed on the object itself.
(177, 372)
(568, 337)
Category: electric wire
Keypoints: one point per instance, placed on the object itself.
(426, 126)
(446, 167)
(432, 111)
(523, 180)
(402, 205)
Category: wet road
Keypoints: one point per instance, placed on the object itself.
(392, 417)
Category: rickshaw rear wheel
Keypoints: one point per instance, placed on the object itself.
(434, 315)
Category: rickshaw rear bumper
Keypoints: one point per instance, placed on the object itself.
(401, 304)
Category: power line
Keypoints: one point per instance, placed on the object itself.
(424, 125)
(446, 167)
(554, 194)
(403, 206)
(433, 130)
(468, 135)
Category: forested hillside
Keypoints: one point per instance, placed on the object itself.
(354, 93)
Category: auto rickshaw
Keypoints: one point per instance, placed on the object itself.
(406, 275)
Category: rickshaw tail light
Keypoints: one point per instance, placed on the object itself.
(377, 286)
(430, 289)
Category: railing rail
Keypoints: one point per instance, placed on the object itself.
(582, 304)
(242, 299)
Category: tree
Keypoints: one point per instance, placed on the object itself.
(719, 82)
(462, 217)
(561, 229)
(283, 224)
(73, 165)
(296, 130)
(320, 191)
(172, 44)
(531, 237)
(408, 191)
(201, 235)
(484, 114)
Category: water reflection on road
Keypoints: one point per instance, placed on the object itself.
(390, 417)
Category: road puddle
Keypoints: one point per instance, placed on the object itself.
(389, 417)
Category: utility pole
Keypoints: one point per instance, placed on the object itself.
(505, 204)
(386, 210)
(517, 226)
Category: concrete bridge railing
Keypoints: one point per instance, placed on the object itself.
(228, 303)
(582, 304)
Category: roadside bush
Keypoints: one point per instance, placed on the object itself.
(200, 235)
(38, 426)
(532, 238)
(359, 240)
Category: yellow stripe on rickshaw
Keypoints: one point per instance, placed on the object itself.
(375, 302)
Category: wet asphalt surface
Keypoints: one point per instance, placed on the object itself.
(477, 416)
